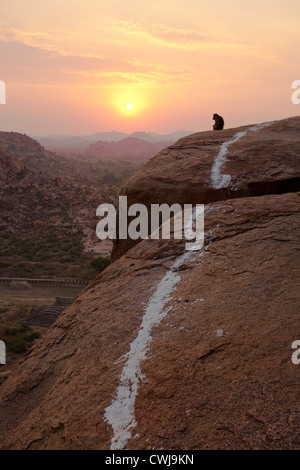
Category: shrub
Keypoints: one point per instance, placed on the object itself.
(66, 259)
(5, 235)
(75, 251)
(100, 263)
(32, 336)
(19, 345)
(44, 256)
(24, 327)
(4, 264)
(10, 331)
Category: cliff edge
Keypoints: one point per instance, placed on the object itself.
(213, 166)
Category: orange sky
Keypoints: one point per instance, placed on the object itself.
(71, 66)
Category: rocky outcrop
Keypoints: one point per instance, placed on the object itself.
(10, 167)
(47, 203)
(18, 144)
(197, 170)
(169, 349)
(38, 189)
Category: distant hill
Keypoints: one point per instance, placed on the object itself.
(130, 147)
(47, 210)
(80, 143)
(17, 144)
(32, 154)
(112, 136)
(153, 137)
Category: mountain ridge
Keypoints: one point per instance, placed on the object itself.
(114, 136)
(82, 143)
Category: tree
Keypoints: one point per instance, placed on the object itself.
(100, 263)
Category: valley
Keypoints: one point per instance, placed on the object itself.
(48, 203)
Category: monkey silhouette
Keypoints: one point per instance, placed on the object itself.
(219, 122)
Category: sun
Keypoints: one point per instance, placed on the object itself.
(129, 104)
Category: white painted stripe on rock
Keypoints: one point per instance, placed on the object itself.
(121, 414)
(222, 181)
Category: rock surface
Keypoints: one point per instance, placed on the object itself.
(263, 161)
(169, 349)
(10, 167)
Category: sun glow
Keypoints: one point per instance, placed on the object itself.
(129, 103)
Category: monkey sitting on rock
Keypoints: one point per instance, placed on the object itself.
(219, 122)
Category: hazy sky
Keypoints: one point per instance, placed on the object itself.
(72, 66)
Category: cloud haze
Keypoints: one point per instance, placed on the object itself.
(71, 66)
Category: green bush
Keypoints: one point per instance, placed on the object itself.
(4, 264)
(10, 331)
(100, 263)
(5, 235)
(24, 327)
(19, 345)
(44, 256)
(75, 251)
(32, 336)
(66, 259)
